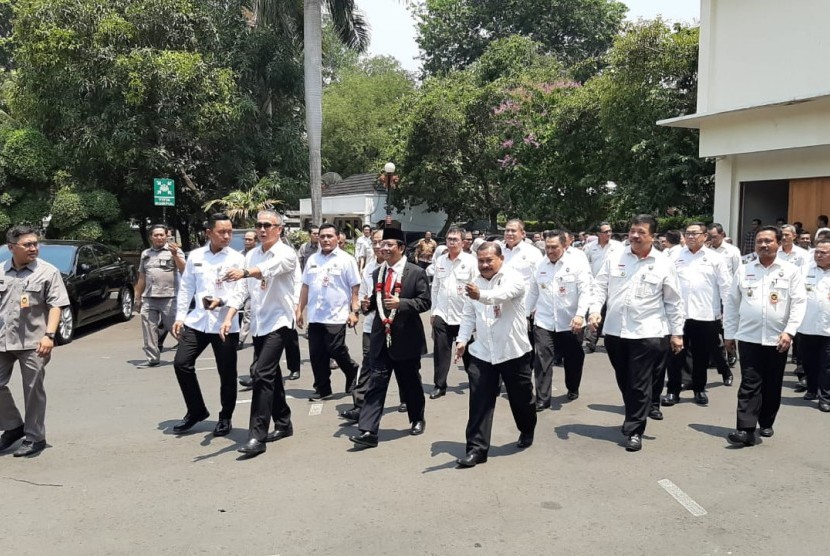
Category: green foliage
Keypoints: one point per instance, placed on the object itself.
(68, 210)
(27, 155)
(455, 33)
(298, 237)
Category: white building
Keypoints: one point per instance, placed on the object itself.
(763, 109)
(360, 199)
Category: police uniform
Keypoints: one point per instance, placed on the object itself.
(26, 296)
(158, 300)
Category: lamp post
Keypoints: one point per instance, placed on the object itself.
(44, 223)
(390, 181)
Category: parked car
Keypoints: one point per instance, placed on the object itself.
(99, 282)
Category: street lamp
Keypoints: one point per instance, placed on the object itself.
(44, 223)
(390, 182)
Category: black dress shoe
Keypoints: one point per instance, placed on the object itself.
(525, 440)
(317, 397)
(402, 408)
(279, 434)
(8, 438)
(471, 459)
(731, 360)
(365, 438)
(223, 427)
(252, 447)
(766, 432)
(189, 421)
(701, 398)
(294, 375)
(29, 448)
(810, 396)
(573, 395)
(418, 427)
(541, 406)
(741, 438)
(437, 393)
(728, 379)
(634, 444)
(350, 414)
(670, 399)
(656, 414)
(824, 406)
(246, 381)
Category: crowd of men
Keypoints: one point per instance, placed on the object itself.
(510, 310)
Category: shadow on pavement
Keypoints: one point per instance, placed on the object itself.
(453, 449)
(597, 432)
(618, 409)
(711, 430)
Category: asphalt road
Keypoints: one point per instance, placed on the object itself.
(116, 480)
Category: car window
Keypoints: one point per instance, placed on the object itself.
(105, 256)
(61, 256)
(86, 256)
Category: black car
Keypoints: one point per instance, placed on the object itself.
(99, 283)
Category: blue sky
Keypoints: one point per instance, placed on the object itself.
(393, 30)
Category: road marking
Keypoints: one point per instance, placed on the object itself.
(205, 368)
(315, 409)
(242, 401)
(685, 500)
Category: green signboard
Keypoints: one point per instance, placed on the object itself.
(164, 192)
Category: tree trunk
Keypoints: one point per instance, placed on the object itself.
(313, 68)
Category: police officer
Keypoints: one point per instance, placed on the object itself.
(155, 290)
(31, 296)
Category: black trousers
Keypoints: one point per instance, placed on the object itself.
(191, 345)
(292, 350)
(564, 343)
(815, 357)
(327, 342)
(269, 394)
(762, 375)
(638, 366)
(484, 390)
(408, 374)
(700, 340)
(361, 385)
(443, 341)
(592, 336)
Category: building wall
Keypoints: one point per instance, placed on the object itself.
(756, 52)
(371, 209)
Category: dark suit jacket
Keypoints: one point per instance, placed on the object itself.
(408, 339)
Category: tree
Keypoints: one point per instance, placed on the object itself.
(455, 33)
(357, 111)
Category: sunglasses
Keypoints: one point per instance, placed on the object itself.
(265, 225)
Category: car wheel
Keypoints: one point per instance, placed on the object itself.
(126, 304)
(66, 326)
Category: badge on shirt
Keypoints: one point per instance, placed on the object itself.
(326, 281)
(24, 301)
(773, 298)
(263, 284)
(562, 290)
(749, 292)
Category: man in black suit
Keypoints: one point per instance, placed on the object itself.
(397, 341)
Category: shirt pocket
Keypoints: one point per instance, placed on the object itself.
(648, 285)
(35, 293)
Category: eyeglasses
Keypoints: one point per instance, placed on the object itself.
(693, 234)
(453, 239)
(265, 225)
(389, 244)
(28, 245)
(822, 253)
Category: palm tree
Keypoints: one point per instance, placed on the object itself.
(353, 32)
(242, 206)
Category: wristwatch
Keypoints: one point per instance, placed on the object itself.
(50, 335)
(246, 273)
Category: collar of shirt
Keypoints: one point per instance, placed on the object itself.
(30, 266)
(397, 268)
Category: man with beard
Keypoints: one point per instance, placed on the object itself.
(397, 340)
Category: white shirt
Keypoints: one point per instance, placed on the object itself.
(797, 256)
(273, 296)
(448, 293)
(330, 279)
(202, 277)
(643, 295)
(731, 256)
(367, 289)
(363, 248)
(673, 251)
(523, 259)
(763, 302)
(559, 292)
(575, 251)
(497, 318)
(704, 283)
(817, 314)
(597, 254)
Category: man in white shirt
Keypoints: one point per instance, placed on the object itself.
(644, 307)
(453, 271)
(496, 311)
(268, 280)
(559, 297)
(732, 257)
(764, 309)
(204, 278)
(815, 328)
(330, 286)
(704, 285)
(673, 243)
(789, 251)
(363, 248)
(597, 251)
(522, 257)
